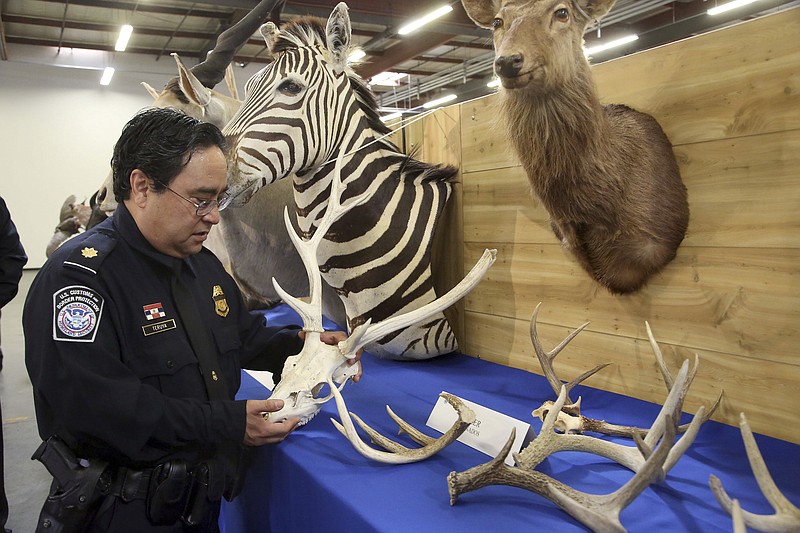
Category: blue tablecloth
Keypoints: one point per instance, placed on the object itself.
(316, 481)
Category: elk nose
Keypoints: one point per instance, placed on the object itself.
(509, 66)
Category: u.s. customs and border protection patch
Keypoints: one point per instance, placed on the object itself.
(220, 303)
(77, 311)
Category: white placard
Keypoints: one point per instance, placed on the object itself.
(262, 376)
(489, 432)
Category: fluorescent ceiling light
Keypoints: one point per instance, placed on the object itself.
(439, 101)
(387, 79)
(355, 55)
(727, 7)
(420, 22)
(610, 44)
(108, 73)
(391, 116)
(124, 34)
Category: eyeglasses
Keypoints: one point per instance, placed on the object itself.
(206, 206)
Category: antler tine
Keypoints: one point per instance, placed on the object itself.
(786, 517)
(668, 376)
(311, 311)
(738, 519)
(659, 356)
(546, 358)
(397, 454)
(483, 475)
(367, 332)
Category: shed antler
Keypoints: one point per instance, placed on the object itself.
(786, 517)
(600, 512)
(633, 457)
(570, 419)
(397, 453)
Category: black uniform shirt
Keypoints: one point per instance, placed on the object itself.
(112, 368)
(12, 256)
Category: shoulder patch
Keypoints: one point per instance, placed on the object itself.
(77, 311)
(90, 254)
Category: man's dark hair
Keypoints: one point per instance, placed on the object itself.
(160, 142)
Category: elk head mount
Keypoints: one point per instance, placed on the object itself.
(606, 174)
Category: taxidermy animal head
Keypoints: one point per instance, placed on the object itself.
(192, 90)
(606, 174)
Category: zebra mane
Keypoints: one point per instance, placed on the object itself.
(309, 32)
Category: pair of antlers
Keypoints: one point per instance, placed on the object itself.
(311, 313)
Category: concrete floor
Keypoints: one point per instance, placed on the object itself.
(27, 481)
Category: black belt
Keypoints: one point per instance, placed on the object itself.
(129, 484)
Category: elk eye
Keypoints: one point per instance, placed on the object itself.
(562, 15)
(497, 23)
(290, 88)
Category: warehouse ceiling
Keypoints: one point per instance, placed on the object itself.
(450, 55)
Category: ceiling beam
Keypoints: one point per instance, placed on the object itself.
(3, 51)
(406, 49)
(145, 7)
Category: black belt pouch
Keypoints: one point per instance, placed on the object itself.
(169, 489)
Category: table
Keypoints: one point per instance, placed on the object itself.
(316, 481)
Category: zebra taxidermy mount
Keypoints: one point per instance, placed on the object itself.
(295, 119)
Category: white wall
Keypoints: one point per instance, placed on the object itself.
(58, 127)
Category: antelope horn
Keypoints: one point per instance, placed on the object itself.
(397, 453)
(786, 517)
(211, 71)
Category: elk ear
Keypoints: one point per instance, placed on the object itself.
(596, 9)
(193, 88)
(481, 12)
(338, 36)
(270, 32)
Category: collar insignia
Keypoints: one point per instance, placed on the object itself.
(89, 252)
(220, 303)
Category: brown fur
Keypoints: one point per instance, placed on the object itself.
(606, 174)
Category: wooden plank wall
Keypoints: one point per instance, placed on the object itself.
(730, 103)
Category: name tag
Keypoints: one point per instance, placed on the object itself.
(489, 432)
(158, 327)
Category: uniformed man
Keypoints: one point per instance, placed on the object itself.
(12, 259)
(135, 336)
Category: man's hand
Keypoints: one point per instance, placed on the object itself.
(332, 338)
(260, 431)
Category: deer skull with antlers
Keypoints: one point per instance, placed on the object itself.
(318, 365)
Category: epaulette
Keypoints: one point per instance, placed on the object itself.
(90, 254)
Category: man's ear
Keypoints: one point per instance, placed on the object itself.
(140, 187)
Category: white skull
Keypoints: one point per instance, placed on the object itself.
(305, 375)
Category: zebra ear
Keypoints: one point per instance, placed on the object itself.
(338, 36)
(269, 32)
